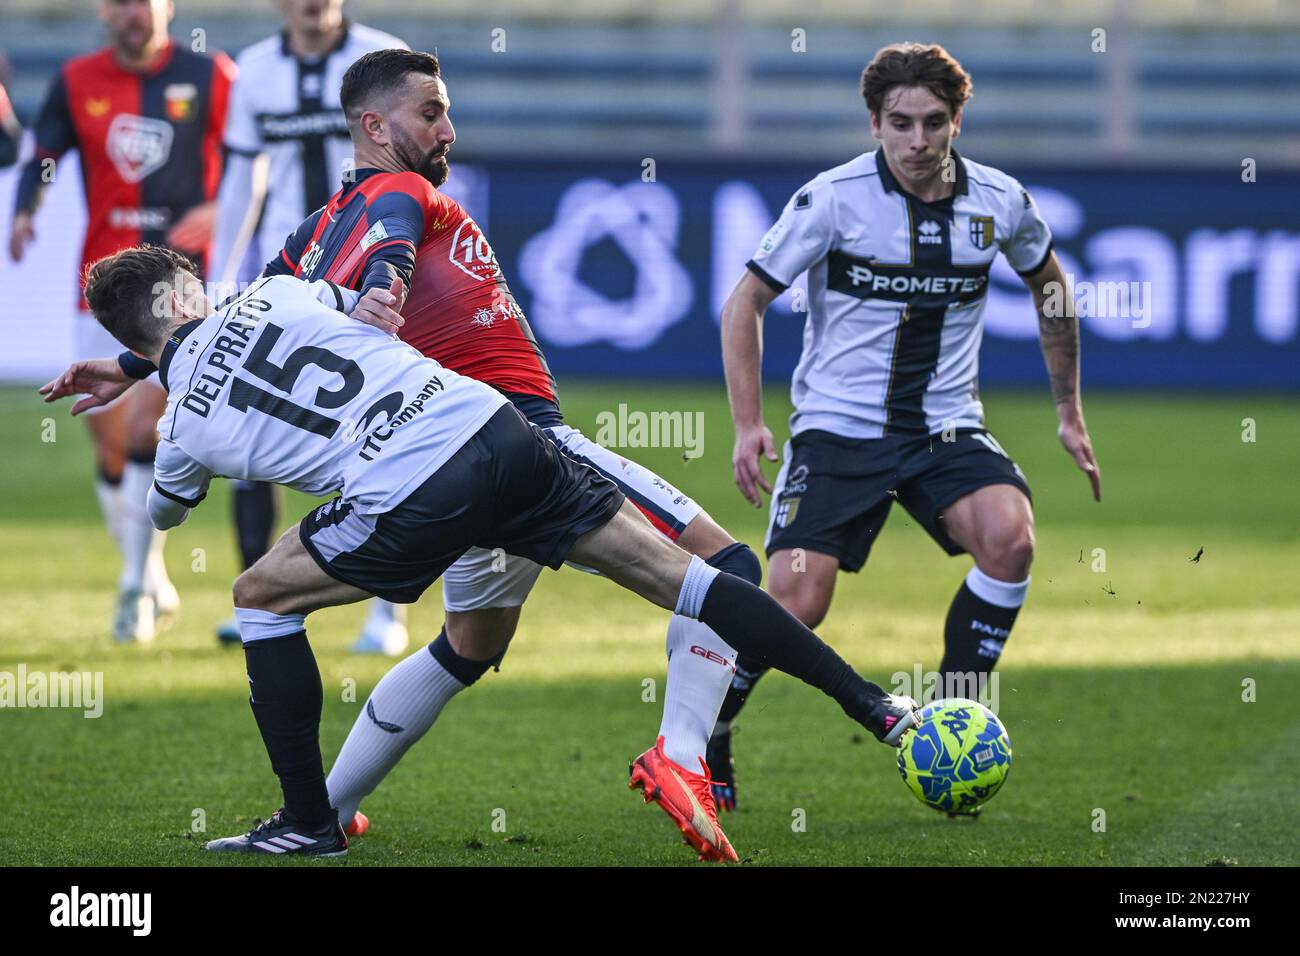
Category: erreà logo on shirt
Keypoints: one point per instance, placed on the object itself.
(930, 233)
(138, 145)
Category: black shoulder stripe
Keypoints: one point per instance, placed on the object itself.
(338, 296)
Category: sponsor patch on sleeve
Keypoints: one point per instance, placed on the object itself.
(376, 233)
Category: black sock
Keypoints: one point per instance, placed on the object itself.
(972, 639)
(256, 515)
(748, 671)
(739, 560)
(751, 621)
(462, 668)
(285, 693)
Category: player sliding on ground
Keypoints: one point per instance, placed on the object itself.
(282, 386)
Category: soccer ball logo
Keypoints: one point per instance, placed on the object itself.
(957, 757)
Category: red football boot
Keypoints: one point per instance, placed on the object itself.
(687, 798)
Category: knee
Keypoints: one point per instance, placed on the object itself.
(802, 594)
(249, 590)
(1009, 552)
(739, 559)
(482, 634)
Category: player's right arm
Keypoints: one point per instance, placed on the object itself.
(55, 135)
(101, 380)
(179, 484)
(801, 237)
(742, 362)
(243, 189)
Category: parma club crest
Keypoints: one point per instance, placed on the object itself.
(786, 510)
(981, 231)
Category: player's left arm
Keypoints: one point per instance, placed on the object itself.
(179, 484)
(1028, 248)
(1058, 330)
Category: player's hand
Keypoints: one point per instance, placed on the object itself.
(1074, 436)
(22, 232)
(193, 232)
(101, 380)
(382, 307)
(751, 442)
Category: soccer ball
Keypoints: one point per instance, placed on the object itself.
(956, 757)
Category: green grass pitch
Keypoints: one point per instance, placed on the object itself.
(1122, 689)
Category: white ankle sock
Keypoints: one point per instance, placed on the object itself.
(110, 504)
(138, 532)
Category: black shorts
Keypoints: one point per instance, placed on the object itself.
(508, 487)
(834, 493)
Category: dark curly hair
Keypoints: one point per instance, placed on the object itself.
(915, 64)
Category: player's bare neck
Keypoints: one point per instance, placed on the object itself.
(929, 190)
(314, 45)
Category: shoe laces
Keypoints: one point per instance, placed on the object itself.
(703, 789)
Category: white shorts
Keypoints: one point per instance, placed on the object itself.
(485, 579)
(91, 341)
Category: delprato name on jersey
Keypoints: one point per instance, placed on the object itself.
(281, 385)
(896, 293)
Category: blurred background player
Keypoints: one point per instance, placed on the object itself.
(898, 244)
(146, 116)
(286, 147)
(10, 130)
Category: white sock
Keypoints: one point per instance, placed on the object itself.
(407, 700)
(138, 532)
(110, 504)
(382, 613)
(700, 668)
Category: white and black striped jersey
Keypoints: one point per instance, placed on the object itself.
(896, 293)
(287, 110)
(282, 386)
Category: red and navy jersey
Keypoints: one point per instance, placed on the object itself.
(150, 142)
(459, 310)
(10, 131)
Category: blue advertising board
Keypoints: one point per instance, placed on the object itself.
(1182, 279)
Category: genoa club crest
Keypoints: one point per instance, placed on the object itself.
(981, 231)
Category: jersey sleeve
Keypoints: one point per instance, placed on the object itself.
(241, 134)
(339, 299)
(240, 201)
(55, 135)
(179, 484)
(801, 237)
(1030, 241)
(398, 218)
